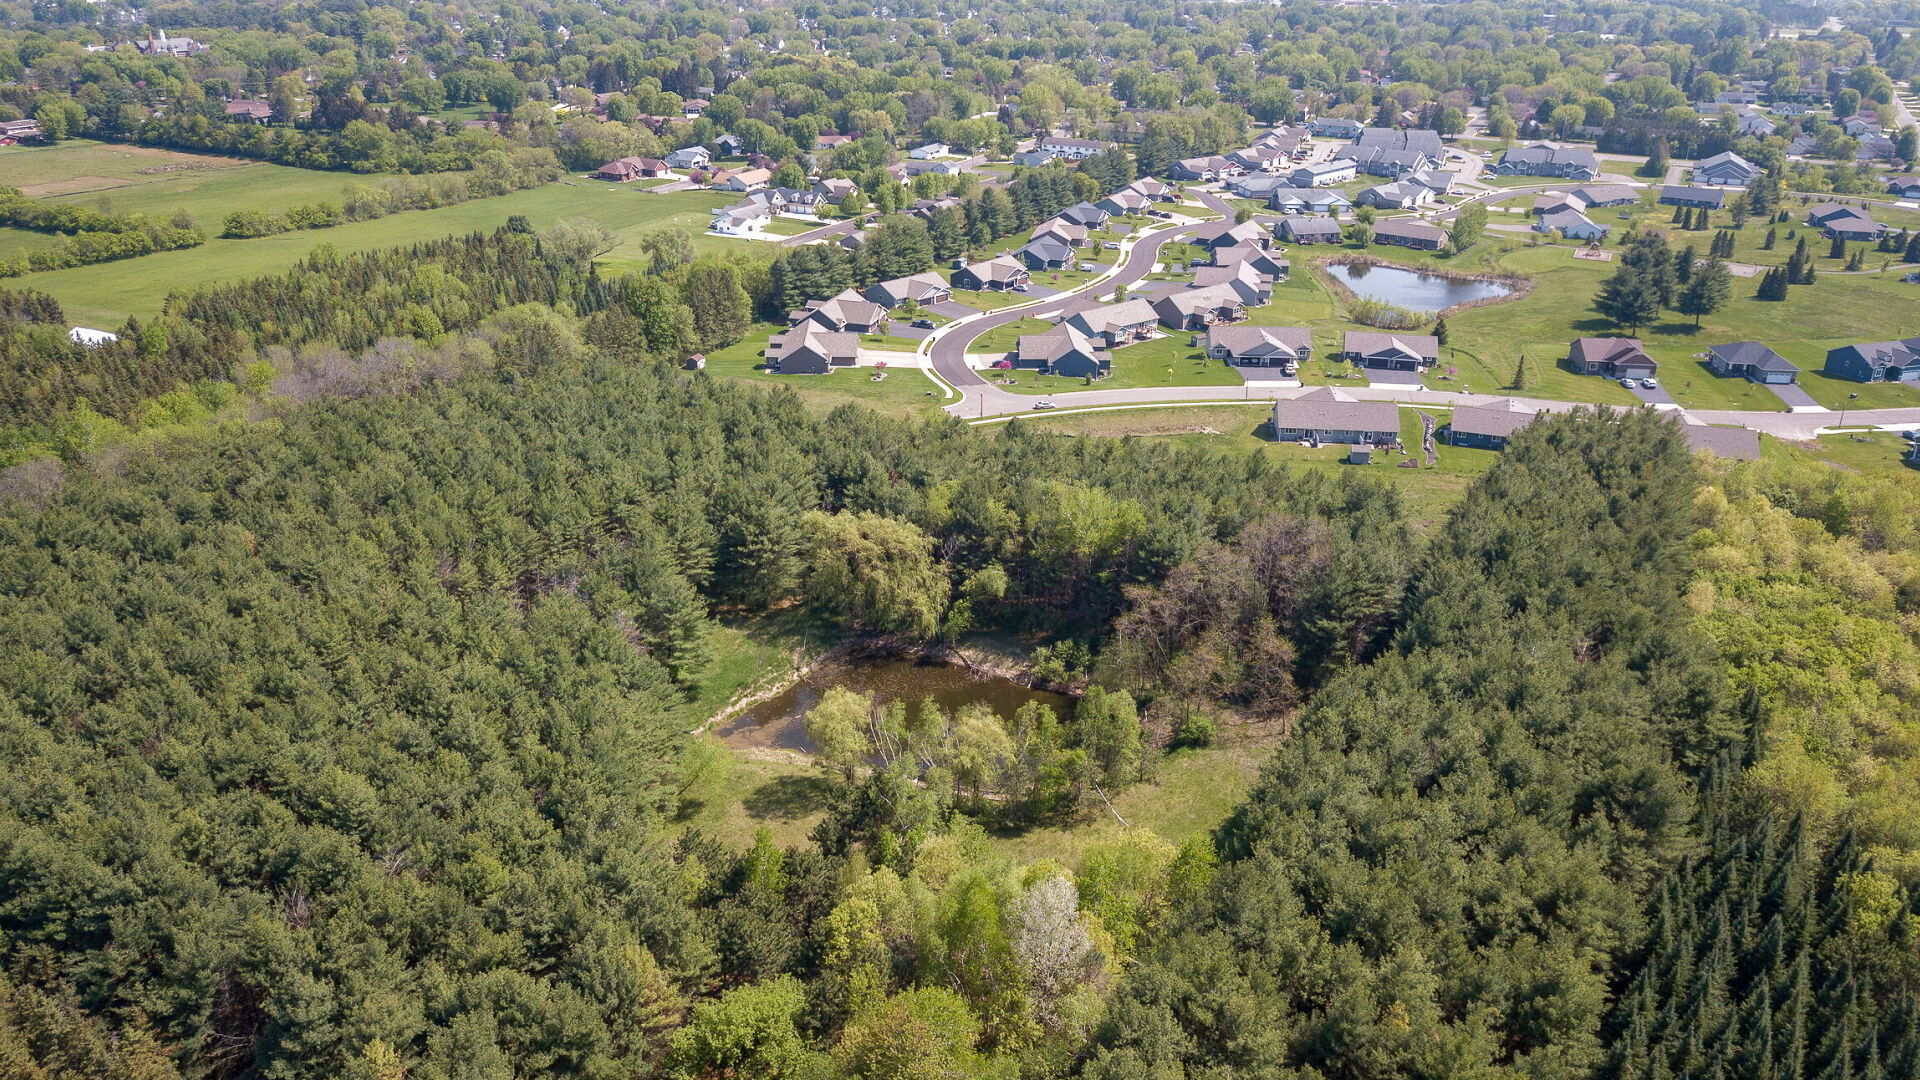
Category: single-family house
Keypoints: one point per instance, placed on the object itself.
(1876, 361)
(1425, 140)
(1033, 159)
(14, 132)
(1308, 229)
(997, 274)
(1256, 185)
(1556, 202)
(1153, 189)
(834, 188)
(1260, 159)
(924, 209)
(690, 157)
(1594, 195)
(252, 111)
(1860, 126)
(630, 168)
(741, 179)
(1571, 224)
(694, 107)
(1282, 347)
(1067, 232)
(1114, 325)
(846, 310)
(729, 145)
(1258, 258)
(1254, 285)
(1438, 181)
(1690, 195)
(1203, 169)
(1546, 159)
(1384, 161)
(1335, 127)
(1223, 234)
(1201, 306)
(1063, 350)
(1752, 361)
(1399, 195)
(1727, 169)
(1391, 351)
(1323, 173)
(811, 349)
(1045, 253)
(1086, 215)
(744, 221)
(1405, 232)
(1846, 222)
(1757, 125)
(826, 141)
(929, 151)
(1613, 357)
(1486, 427)
(922, 288)
(1293, 200)
(942, 167)
(1124, 202)
(1904, 186)
(1322, 415)
(1071, 149)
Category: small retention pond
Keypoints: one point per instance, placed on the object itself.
(1412, 289)
(776, 722)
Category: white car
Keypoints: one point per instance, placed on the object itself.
(1043, 403)
(1650, 384)
(1112, 245)
(1628, 383)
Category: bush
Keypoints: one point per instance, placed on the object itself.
(1386, 316)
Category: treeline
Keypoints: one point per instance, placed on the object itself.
(88, 236)
(423, 717)
(351, 301)
(1437, 875)
(359, 146)
(1769, 957)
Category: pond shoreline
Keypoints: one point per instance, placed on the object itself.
(1520, 287)
(988, 663)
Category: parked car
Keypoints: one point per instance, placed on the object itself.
(1628, 383)
(1085, 268)
(1043, 403)
(1019, 288)
(1112, 245)
(923, 324)
(1650, 383)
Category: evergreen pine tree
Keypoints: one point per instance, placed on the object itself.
(1838, 249)
(1522, 375)
(1767, 244)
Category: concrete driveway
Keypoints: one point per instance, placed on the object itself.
(1794, 397)
(952, 309)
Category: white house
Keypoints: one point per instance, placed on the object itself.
(748, 221)
(929, 151)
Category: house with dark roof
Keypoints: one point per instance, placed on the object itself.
(1692, 196)
(811, 349)
(1124, 202)
(1221, 234)
(1206, 168)
(1752, 361)
(1382, 161)
(1486, 427)
(1201, 306)
(1408, 233)
(1846, 222)
(1256, 185)
(848, 311)
(1153, 189)
(1905, 186)
(997, 274)
(1253, 285)
(1571, 224)
(1613, 357)
(1086, 215)
(1114, 325)
(1063, 350)
(923, 289)
(1067, 232)
(1593, 195)
(1424, 140)
(1281, 347)
(1045, 253)
(1876, 361)
(1726, 168)
(1390, 351)
(1305, 229)
(1323, 416)
(1253, 257)
(1546, 159)
(630, 168)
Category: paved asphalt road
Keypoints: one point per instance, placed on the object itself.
(949, 353)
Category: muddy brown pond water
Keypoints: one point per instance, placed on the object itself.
(776, 722)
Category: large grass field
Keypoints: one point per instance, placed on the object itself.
(106, 293)
(147, 180)
(904, 391)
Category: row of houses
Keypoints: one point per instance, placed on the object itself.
(1490, 427)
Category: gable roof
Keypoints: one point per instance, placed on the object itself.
(1296, 341)
(1498, 420)
(1322, 409)
(1100, 318)
(1196, 301)
(1752, 354)
(1409, 229)
(1050, 345)
(1375, 343)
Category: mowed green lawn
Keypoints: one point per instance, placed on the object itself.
(106, 293)
(144, 180)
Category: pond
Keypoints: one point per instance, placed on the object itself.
(1413, 289)
(776, 722)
